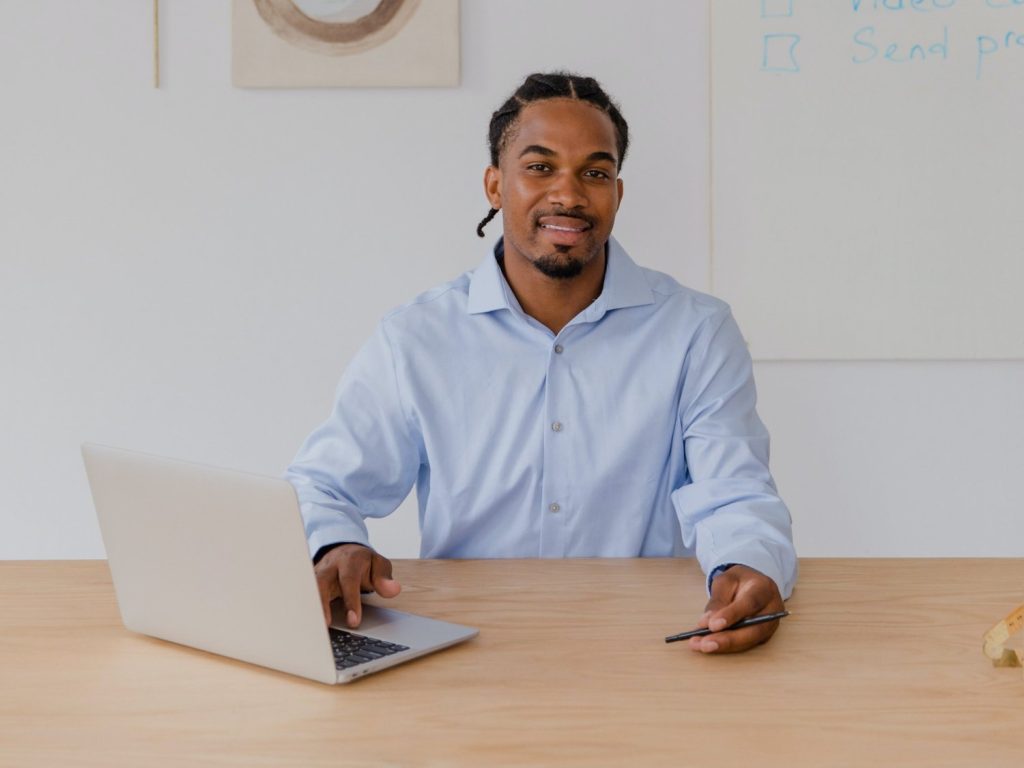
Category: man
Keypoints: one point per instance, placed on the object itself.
(559, 401)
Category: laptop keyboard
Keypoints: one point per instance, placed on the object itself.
(350, 649)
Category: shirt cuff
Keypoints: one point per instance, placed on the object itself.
(338, 531)
(717, 570)
(327, 548)
(763, 563)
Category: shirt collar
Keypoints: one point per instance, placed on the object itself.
(488, 289)
(624, 285)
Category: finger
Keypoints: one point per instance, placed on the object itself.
(745, 604)
(723, 592)
(350, 579)
(380, 577)
(752, 594)
(735, 640)
(723, 589)
(323, 585)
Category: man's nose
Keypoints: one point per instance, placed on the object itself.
(567, 191)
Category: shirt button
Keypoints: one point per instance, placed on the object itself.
(554, 507)
(559, 349)
(557, 426)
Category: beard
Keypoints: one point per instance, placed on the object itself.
(560, 265)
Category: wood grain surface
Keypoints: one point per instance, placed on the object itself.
(880, 664)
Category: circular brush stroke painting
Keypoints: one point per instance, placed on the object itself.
(336, 27)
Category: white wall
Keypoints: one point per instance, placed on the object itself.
(899, 459)
(186, 271)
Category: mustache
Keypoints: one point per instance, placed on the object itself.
(563, 212)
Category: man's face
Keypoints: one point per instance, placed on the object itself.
(557, 186)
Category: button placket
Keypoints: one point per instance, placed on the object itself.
(556, 517)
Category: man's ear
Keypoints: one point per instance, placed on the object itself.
(492, 186)
(619, 183)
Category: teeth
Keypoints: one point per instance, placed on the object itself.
(562, 229)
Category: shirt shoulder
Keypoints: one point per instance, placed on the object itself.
(437, 303)
(678, 299)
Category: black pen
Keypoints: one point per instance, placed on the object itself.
(738, 625)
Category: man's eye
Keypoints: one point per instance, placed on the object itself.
(536, 167)
(596, 174)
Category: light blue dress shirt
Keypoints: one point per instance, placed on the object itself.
(632, 432)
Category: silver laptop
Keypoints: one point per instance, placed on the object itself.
(217, 560)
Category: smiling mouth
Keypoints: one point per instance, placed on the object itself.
(563, 223)
(564, 232)
(556, 228)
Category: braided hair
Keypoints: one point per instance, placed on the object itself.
(554, 85)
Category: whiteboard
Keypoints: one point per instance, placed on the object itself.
(867, 165)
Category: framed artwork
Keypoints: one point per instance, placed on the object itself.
(337, 43)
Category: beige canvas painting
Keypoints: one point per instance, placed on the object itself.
(336, 43)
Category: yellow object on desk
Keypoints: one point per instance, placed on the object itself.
(995, 640)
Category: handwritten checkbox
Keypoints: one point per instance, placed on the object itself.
(780, 53)
(776, 9)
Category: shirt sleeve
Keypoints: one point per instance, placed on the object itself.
(729, 509)
(363, 460)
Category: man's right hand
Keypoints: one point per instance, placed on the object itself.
(348, 570)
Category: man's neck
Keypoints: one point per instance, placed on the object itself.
(553, 301)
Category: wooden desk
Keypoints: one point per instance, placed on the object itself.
(880, 664)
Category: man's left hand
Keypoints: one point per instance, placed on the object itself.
(736, 594)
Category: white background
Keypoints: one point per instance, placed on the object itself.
(187, 270)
